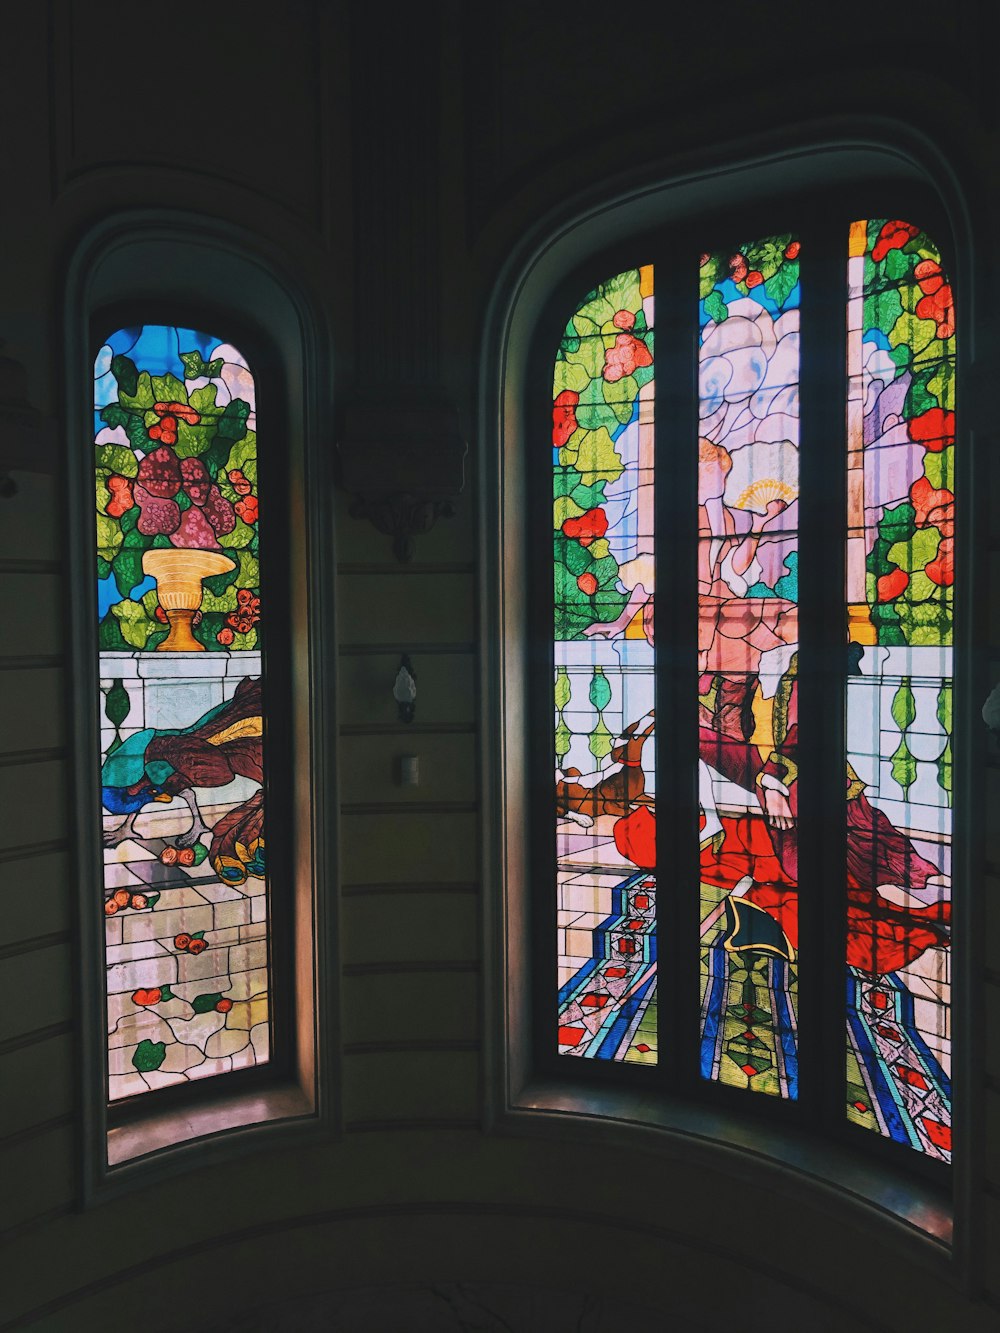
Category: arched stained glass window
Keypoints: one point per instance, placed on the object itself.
(900, 597)
(705, 941)
(181, 716)
(605, 660)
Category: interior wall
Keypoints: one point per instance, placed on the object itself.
(400, 153)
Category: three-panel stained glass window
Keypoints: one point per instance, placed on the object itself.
(752, 452)
(182, 730)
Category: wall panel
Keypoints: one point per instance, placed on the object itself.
(38, 893)
(39, 1083)
(414, 610)
(408, 1086)
(421, 1005)
(220, 110)
(428, 845)
(37, 989)
(33, 802)
(38, 1176)
(413, 926)
(32, 709)
(33, 614)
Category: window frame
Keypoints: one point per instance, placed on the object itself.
(159, 268)
(533, 1090)
(275, 676)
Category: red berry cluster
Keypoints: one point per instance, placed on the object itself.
(246, 506)
(185, 943)
(564, 417)
(740, 272)
(122, 898)
(243, 619)
(936, 302)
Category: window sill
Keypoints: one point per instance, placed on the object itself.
(156, 1145)
(216, 1116)
(867, 1192)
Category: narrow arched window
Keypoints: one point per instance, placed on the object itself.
(752, 684)
(900, 543)
(182, 722)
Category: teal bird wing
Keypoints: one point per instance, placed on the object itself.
(126, 765)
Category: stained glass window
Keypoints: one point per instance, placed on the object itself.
(900, 576)
(748, 488)
(757, 453)
(602, 446)
(180, 710)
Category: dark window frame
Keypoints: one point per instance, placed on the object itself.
(160, 264)
(276, 669)
(820, 219)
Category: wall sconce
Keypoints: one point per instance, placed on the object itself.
(403, 467)
(404, 690)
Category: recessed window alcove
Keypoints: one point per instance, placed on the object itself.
(146, 280)
(626, 1088)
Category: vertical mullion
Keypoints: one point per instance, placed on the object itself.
(676, 631)
(822, 662)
